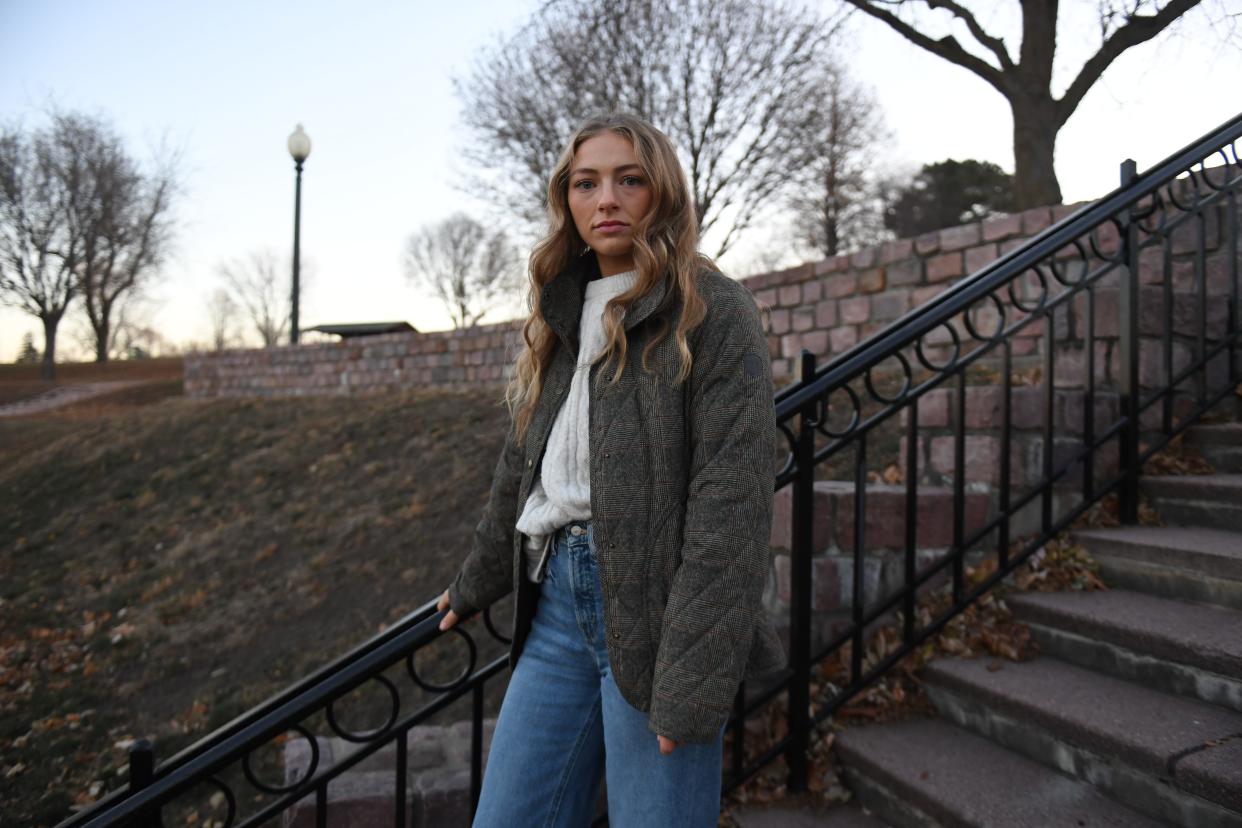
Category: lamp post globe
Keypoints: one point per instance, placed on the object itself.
(299, 147)
(299, 144)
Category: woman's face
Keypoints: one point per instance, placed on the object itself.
(608, 195)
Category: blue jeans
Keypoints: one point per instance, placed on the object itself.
(563, 711)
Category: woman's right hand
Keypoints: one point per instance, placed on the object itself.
(450, 617)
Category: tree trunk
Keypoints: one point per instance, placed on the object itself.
(102, 332)
(49, 346)
(1034, 145)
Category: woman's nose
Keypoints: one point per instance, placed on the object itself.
(607, 196)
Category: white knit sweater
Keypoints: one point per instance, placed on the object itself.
(562, 491)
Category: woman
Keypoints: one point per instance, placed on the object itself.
(631, 505)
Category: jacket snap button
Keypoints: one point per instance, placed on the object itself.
(606, 455)
(530, 463)
(612, 546)
(616, 635)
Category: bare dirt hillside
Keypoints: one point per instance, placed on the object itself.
(167, 563)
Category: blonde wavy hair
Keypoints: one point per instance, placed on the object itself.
(665, 246)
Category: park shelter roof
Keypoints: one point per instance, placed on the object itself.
(365, 329)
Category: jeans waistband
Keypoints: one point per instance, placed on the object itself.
(575, 528)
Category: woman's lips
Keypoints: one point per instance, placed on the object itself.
(610, 227)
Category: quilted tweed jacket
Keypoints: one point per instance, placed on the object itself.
(682, 479)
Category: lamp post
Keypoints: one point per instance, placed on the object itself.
(299, 148)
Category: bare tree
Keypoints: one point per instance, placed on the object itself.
(730, 81)
(835, 206)
(78, 218)
(125, 225)
(40, 246)
(470, 269)
(258, 283)
(137, 341)
(222, 313)
(778, 251)
(1027, 82)
(131, 321)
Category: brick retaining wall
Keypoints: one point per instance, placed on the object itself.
(440, 359)
(824, 306)
(829, 306)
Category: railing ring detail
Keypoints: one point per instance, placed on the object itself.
(906, 379)
(366, 736)
(432, 687)
(280, 789)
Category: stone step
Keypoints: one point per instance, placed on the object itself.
(1186, 563)
(1220, 444)
(1226, 459)
(926, 772)
(1178, 647)
(437, 778)
(1172, 758)
(1215, 434)
(1212, 500)
(792, 814)
(1213, 552)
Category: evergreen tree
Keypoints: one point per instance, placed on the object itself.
(29, 354)
(947, 194)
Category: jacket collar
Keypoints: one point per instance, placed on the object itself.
(561, 299)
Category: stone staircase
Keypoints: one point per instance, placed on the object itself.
(1133, 715)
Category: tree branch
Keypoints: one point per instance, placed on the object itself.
(995, 45)
(946, 47)
(1138, 29)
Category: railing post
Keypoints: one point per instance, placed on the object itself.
(800, 591)
(142, 774)
(1129, 345)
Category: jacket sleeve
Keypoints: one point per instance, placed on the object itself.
(714, 603)
(486, 576)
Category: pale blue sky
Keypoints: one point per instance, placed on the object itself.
(371, 81)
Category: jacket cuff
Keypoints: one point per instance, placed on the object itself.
(458, 601)
(683, 721)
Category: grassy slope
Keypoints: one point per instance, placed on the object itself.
(21, 382)
(164, 567)
(118, 369)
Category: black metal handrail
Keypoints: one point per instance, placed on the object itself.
(1068, 261)
(149, 789)
(1071, 261)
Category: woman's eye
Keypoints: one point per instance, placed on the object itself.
(632, 181)
(583, 185)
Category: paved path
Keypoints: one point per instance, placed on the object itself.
(63, 395)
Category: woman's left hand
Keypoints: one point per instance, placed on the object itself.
(666, 745)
